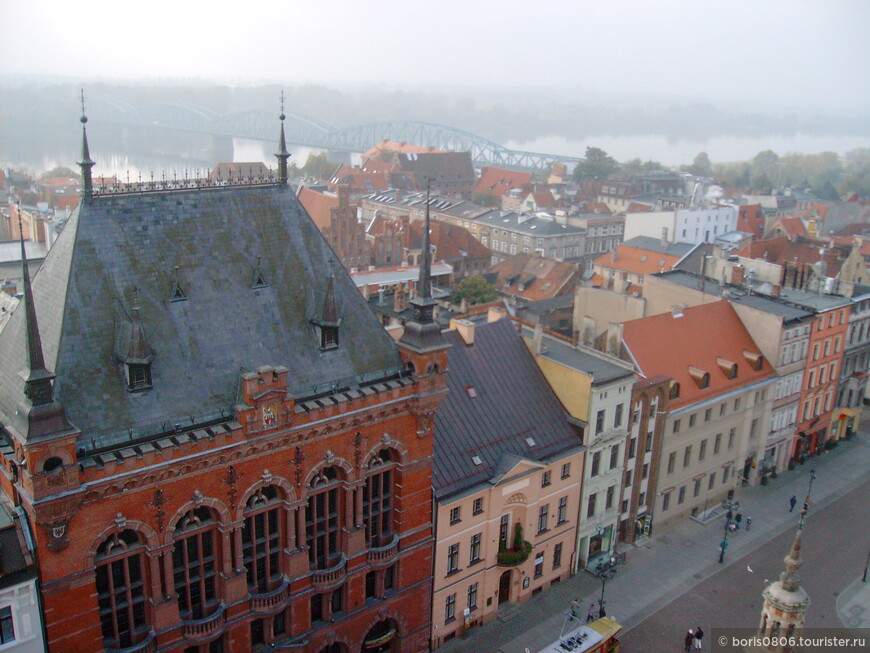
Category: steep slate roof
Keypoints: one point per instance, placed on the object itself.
(668, 345)
(513, 402)
(216, 238)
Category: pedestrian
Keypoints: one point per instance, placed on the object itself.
(792, 502)
(575, 608)
(699, 634)
(690, 637)
(590, 616)
(748, 522)
(737, 519)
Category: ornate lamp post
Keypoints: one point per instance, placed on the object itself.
(605, 570)
(732, 506)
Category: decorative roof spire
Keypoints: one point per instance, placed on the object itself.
(37, 379)
(329, 316)
(790, 579)
(282, 154)
(424, 285)
(86, 163)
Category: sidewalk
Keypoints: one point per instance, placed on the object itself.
(668, 564)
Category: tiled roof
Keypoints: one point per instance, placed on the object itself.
(541, 277)
(636, 260)
(451, 241)
(394, 146)
(318, 205)
(209, 242)
(698, 338)
(497, 399)
(802, 251)
(437, 166)
(497, 181)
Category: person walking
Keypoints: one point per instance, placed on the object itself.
(690, 637)
(737, 519)
(748, 522)
(699, 635)
(792, 503)
(590, 616)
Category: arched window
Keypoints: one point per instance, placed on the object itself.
(194, 563)
(262, 539)
(323, 520)
(121, 593)
(378, 499)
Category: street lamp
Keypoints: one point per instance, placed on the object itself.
(732, 507)
(605, 570)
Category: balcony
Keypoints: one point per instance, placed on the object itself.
(515, 556)
(380, 555)
(147, 645)
(324, 578)
(201, 628)
(267, 601)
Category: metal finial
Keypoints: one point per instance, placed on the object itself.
(282, 116)
(84, 118)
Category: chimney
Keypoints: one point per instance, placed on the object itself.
(737, 275)
(465, 329)
(664, 241)
(380, 295)
(538, 339)
(495, 313)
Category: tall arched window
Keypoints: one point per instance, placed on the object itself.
(323, 520)
(262, 539)
(378, 499)
(121, 593)
(194, 563)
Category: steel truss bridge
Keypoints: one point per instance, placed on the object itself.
(319, 134)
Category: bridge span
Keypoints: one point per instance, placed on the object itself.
(314, 133)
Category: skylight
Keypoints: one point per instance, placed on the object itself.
(476, 460)
(530, 442)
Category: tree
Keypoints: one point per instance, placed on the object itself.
(701, 165)
(59, 171)
(765, 169)
(598, 165)
(856, 174)
(475, 289)
(318, 166)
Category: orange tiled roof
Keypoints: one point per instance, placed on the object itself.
(393, 146)
(318, 205)
(637, 260)
(704, 334)
(450, 241)
(750, 219)
(497, 181)
(543, 278)
(634, 207)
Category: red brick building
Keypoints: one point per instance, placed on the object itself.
(217, 445)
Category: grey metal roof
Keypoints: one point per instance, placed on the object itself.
(655, 245)
(512, 402)
(531, 226)
(788, 312)
(208, 243)
(602, 370)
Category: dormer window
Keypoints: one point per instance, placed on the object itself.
(138, 376)
(328, 337)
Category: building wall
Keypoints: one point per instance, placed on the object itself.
(595, 309)
(649, 224)
(519, 498)
(148, 489)
(26, 619)
(661, 295)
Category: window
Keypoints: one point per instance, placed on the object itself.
(503, 531)
(631, 447)
(455, 515)
(691, 420)
(566, 470)
(687, 456)
(557, 555)
(737, 404)
(708, 414)
(545, 479)
(590, 508)
(725, 473)
(617, 417)
(682, 495)
(712, 481)
(323, 520)
(328, 337)
(450, 608)
(194, 564)
(599, 422)
(474, 549)
(316, 608)
(453, 559)
(721, 409)
(627, 477)
(539, 565)
(672, 460)
(596, 463)
(378, 501)
(697, 489)
(563, 510)
(138, 376)
(666, 501)
(702, 451)
(645, 470)
(608, 498)
(717, 443)
(262, 539)
(472, 596)
(336, 601)
(542, 517)
(731, 435)
(477, 506)
(121, 594)
(641, 499)
(614, 456)
(676, 426)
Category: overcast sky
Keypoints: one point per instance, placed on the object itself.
(765, 52)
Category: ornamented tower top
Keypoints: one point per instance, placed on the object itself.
(785, 602)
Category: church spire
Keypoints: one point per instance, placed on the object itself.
(86, 163)
(282, 153)
(37, 379)
(424, 285)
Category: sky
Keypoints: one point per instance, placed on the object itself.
(764, 53)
